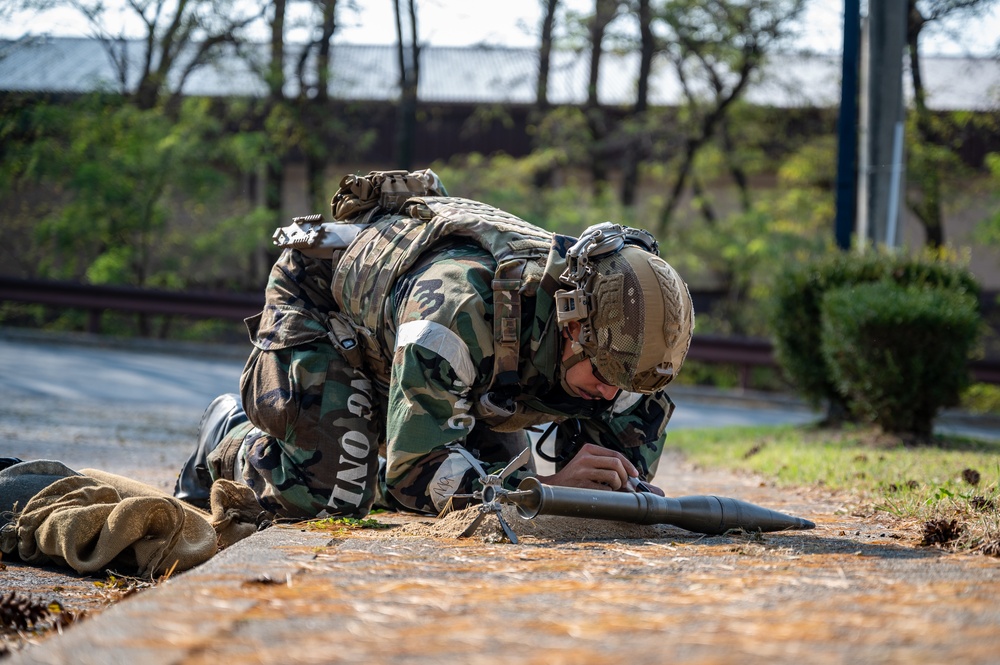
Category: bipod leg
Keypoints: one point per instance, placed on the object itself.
(511, 536)
(471, 529)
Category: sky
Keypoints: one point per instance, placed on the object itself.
(511, 23)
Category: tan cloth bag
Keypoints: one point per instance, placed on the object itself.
(101, 520)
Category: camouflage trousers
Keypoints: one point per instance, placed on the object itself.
(312, 443)
(316, 426)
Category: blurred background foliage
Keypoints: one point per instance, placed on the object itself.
(142, 186)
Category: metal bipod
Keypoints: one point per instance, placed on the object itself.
(493, 494)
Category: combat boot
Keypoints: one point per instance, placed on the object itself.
(194, 483)
(9, 461)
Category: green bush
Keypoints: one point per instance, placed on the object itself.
(798, 294)
(982, 398)
(898, 353)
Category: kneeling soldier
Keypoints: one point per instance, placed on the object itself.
(417, 331)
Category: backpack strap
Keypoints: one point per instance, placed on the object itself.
(505, 387)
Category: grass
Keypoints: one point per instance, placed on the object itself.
(952, 484)
(344, 524)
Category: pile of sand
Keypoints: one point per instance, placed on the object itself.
(543, 527)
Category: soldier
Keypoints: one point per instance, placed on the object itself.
(419, 336)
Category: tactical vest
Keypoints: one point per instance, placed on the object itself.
(382, 252)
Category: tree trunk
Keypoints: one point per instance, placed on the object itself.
(735, 168)
(596, 121)
(633, 149)
(323, 58)
(317, 155)
(276, 65)
(701, 202)
(273, 198)
(409, 72)
(545, 57)
(928, 207)
(691, 148)
(543, 176)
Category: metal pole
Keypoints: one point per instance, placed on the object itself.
(864, 132)
(885, 45)
(892, 219)
(847, 131)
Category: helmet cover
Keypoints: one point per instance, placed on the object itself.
(641, 320)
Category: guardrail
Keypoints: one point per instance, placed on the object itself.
(95, 299)
(744, 352)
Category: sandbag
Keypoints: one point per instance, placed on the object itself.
(87, 525)
(92, 520)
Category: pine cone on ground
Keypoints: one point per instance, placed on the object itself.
(940, 532)
(982, 504)
(971, 476)
(21, 612)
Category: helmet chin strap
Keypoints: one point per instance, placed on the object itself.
(567, 363)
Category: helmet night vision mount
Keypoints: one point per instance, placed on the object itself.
(596, 241)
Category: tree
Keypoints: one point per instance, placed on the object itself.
(124, 171)
(301, 124)
(408, 52)
(543, 174)
(179, 37)
(928, 158)
(716, 47)
(275, 105)
(988, 230)
(634, 153)
(315, 107)
(604, 13)
(545, 55)
(117, 177)
(783, 225)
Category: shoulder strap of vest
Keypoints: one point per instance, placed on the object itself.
(507, 283)
(396, 242)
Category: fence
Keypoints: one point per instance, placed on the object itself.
(743, 352)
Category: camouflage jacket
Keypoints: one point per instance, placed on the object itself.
(438, 332)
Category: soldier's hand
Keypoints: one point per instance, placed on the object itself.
(594, 467)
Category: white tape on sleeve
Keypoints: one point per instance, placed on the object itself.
(440, 340)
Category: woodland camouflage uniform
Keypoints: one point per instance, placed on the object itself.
(319, 417)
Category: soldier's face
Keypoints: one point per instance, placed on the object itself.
(580, 378)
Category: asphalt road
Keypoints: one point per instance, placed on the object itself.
(89, 369)
(93, 370)
(133, 407)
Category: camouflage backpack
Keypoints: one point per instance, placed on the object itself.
(385, 222)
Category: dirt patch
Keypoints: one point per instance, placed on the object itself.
(69, 598)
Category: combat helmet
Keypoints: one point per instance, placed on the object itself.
(634, 309)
